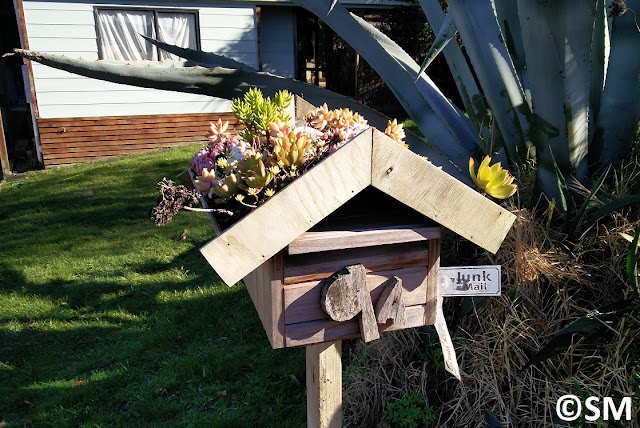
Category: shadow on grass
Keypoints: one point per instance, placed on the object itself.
(108, 320)
(159, 352)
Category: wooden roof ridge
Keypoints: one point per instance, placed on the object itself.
(370, 159)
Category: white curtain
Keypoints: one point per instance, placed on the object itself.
(120, 31)
(177, 29)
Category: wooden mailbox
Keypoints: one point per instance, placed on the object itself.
(372, 202)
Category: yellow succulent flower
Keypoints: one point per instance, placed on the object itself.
(275, 170)
(269, 192)
(493, 180)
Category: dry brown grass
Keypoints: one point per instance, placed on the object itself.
(547, 283)
(545, 287)
(379, 371)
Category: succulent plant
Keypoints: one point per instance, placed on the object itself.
(395, 132)
(291, 149)
(254, 174)
(224, 189)
(320, 117)
(204, 158)
(217, 131)
(205, 181)
(344, 118)
(254, 112)
(493, 180)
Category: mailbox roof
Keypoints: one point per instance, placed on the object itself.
(370, 159)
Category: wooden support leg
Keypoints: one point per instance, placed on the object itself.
(324, 385)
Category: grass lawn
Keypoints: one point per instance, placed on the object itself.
(109, 320)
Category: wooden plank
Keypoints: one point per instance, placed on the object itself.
(124, 150)
(71, 161)
(317, 266)
(133, 120)
(106, 144)
(292, 211)
(433, 282)
(324, 385)
(200, 125)
(24, 41)
(302, 301)
(311, 332)
(80, 157)
(4, 154)
(311, 242)
(422, 186)
(390, 305)
(266, 290)
(143, 134)
(52, 150)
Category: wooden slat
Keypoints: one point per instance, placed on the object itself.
(69, 161)
(433, 281)
(142, 134)
(317, 266)
(324, 385)
(4, 154)
(316, 241)
(422, 186)
(307, 333)
(137, 145)
(266, 290)
(111, 151)
(292, 211)
(115, 129)
(302, 301)
(121, 120)
(106, 144)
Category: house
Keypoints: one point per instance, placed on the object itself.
(76, 118)
(373, 202)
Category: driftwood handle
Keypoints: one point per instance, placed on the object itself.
(390, 305)
(345, 295)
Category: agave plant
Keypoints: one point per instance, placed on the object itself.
(558, 81)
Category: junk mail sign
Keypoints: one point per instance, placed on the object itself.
(470, 281)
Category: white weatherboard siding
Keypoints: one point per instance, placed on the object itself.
(277, 28)
(69, 28)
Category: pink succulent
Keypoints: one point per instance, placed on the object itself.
(203, 159)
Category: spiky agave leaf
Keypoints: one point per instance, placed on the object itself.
(204, 59)
(620, 102)
(224, 83)
(484, 41)
(474, 101)
(440, 121)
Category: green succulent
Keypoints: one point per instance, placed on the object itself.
(291, 149)
(225, 188)
(254, 112)
(253, 172)
(493, 180)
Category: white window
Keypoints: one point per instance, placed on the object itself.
(119, 31)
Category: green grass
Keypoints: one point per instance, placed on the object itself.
(92, 292)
